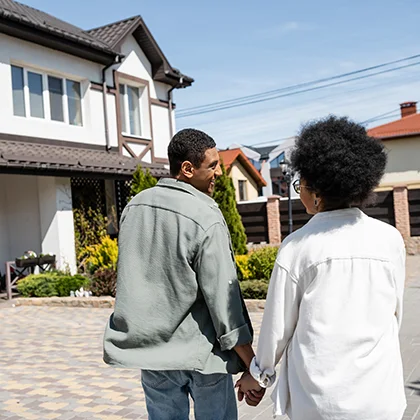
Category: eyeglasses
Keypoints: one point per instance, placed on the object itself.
(296, 186)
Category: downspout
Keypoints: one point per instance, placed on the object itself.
(116, 61)
(170, 107)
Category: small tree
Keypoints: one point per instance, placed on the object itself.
(224, 195)
(142, 181)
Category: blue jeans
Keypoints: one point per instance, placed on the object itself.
(167, 395)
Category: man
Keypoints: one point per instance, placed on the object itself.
(179, 314)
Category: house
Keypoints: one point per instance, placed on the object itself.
(247, 181)
(402, 140)
(80, 110)
(267, 161)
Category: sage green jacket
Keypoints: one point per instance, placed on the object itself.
(178, 304)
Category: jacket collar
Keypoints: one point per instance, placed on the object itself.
(183, 186)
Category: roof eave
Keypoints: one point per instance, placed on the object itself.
(30, 33)
(395, 136)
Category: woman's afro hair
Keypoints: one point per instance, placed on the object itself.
(339, 161)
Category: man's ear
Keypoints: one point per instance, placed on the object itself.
(187, 169)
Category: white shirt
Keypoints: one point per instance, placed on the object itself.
(332, 316)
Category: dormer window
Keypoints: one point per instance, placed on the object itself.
(130, 107)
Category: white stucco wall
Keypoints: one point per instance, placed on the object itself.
(38, 58)
(36, 214)
(161, 131)
(403, 167)
(21, 214)
(237, 173)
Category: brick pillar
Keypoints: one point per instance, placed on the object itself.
(401, 211)
(273, 216)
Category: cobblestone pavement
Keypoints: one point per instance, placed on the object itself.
(51, 365)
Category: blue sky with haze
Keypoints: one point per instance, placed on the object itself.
(235, 48)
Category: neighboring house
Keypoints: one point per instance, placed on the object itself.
(402, 140)
(80, 110)
(267, 161)
(247, 181)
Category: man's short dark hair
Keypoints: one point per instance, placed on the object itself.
(339, 161)
(188, 144)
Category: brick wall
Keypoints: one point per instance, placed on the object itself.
(402, 213)
(273, 217)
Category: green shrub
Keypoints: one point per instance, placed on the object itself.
(142, 180)
(50, 284)
(64, 284)
(261, 262)
(102, 255)
(242, 267)
(254, 289)
(104, 283)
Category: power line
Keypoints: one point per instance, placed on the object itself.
(379, 117)
(252, 99)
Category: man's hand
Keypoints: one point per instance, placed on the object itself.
(253, 398)
(249, 388)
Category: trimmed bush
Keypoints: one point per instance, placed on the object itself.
(104, 283)
(254, 289)
(50, 284)
(67, 283)
(261, 262)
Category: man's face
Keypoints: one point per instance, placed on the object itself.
(204, 177)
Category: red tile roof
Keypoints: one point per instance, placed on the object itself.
(230, 156)
(407, 126)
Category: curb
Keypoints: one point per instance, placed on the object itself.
(253, 305)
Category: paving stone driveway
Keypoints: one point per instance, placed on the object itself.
(51, 366)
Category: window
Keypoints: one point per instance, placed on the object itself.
(130, 110)
(74, 98)
(55, 87)
(275, 163)
(18, 93)
(242, 190)
(39, 95)
(36, 92)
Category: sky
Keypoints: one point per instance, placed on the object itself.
(235, 48)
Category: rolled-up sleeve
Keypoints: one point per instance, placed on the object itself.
(278, 325)
(217, 279)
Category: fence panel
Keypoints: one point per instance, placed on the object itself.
(382, 209)
(123, 195)
(254, 219)
(414, 207)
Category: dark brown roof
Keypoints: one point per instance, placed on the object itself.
(115, 33)
(21, 156)
(29, 17)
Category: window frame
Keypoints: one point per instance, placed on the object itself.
(46, 96)
(124, 109)
(242, 187)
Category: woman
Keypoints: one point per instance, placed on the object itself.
(334, 304)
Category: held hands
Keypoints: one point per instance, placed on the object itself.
(249, 388)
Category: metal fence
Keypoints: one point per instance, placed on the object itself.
(254, 219)
(414, 207)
